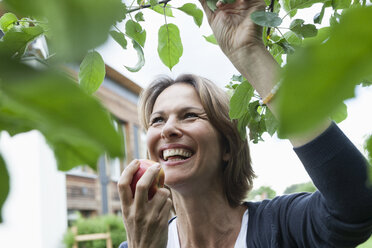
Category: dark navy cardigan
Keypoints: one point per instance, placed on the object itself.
(338, 215)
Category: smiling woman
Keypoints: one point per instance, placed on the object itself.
(207, 168)
(198, 105)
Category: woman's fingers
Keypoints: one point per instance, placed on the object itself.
(160, 198)
(125, 192)
(141, 214)
(144, 183)
(165, 212)
(207, 10)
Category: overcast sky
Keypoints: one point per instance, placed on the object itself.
(274, 161)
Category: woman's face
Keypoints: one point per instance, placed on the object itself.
(183, 140)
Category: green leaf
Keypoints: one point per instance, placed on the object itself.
(322, 36)
(141, 58)
(15, 41)
(303, 30)
(7, 21)
(153, 2)
(277, 52)
(340, 113)
(139, 17)
(238, 78)
(333, 20)
(341, 4)
(92, 72)
(123, 12)
(266, 19)
(252, 109)
(160, 9)
(366, 83)
(170, 45)
(271, 122)
(74, 123)
(4, 185)
(296, 23)
(25, 22)
(134, 30)
(319, 77)
(274, 37)
(287, 7)
(309, 30)
(212, 4)
(256, 123)
(11, 123)
(368, 147)
(288, 48)
(292, 38)
(319, 16)
(211, 39)
(195, 12)
(302, 4)
(119, 38)
(240, 100)
(76, 26)
(277, 6)
(242, 125)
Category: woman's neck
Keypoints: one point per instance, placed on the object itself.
(207, 220)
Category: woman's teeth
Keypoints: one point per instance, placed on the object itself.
(176, 153)
(175, 159)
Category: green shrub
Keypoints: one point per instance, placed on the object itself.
(99, 224)
(68, 239)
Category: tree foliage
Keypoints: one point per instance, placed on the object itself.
(4, 184)
(301, 187)
(263, 192)
(321, 67)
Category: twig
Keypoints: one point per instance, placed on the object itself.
(147, 6)
(271, 9)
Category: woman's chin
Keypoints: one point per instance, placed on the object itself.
(176, 181)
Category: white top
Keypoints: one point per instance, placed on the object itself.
(174, 241)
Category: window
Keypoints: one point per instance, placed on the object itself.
(116, 165)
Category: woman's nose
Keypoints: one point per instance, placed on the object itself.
(171, 129)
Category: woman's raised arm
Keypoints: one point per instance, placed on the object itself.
(241, 41)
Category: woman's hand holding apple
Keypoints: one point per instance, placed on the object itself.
(146, 220)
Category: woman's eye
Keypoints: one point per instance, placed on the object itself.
(190, 115)
(156, 120)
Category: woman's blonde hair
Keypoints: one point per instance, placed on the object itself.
(237, 172)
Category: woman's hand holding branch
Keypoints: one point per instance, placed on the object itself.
(241, 41)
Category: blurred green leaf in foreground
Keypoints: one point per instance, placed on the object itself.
(323, 74)
(75, 124)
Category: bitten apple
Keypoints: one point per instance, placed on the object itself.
(157, 183)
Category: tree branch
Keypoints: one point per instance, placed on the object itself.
(271, 9)
(147, 6)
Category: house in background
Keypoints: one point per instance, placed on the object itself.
(94, 193)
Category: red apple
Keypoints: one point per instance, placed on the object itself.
(157, 183)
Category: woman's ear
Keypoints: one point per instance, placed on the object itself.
(226, 155)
